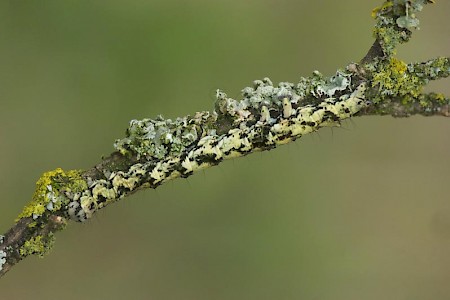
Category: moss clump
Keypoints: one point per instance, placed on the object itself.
(38, 245)
(49, 196)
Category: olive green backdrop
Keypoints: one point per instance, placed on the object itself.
(360, 212)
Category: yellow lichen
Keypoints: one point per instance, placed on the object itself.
(440, 97)
(394, 80)
(383, 7)
(32, 225)
(47, 195)
(398, 67)
(38, 245)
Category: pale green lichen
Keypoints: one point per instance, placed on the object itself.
(389, 39)
(339, 82)
(408, 22)
(262, 94)
(2, 259)
(264, 97)
(395, 20)
(402, 12)
(308, 86)
(49, 196)
(38, 245)
(432, 69)
(267, 116)
(158, 138)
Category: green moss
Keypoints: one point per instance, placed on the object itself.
(393, 79)
(48, 195)
(38, 245)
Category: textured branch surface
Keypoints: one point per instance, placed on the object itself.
(155, 151)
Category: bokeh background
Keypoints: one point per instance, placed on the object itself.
(360, 212)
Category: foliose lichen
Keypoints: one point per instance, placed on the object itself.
(265, 117)
(395, 20)
(402, 12)
(339, 82)
(262, 94)
(432, 69)
(158, 138)
(264, 97)
(2, 259)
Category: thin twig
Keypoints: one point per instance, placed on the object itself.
(156, 151)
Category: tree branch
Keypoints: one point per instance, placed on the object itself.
(155, 151)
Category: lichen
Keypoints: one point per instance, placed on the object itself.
(32, 224)
(381, 9)
(265, 117)
(307, 86)
(265, 97)
(158, 138)
(339, 82)
(38, 245)
(389, 39)
(395, 20)
(434, 102)
(402, 12)
(2, 259)
(393, 79)
(262, 94)
(432, 69)
(440, 98)
(50, 192)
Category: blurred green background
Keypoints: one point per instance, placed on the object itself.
(360, 212)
